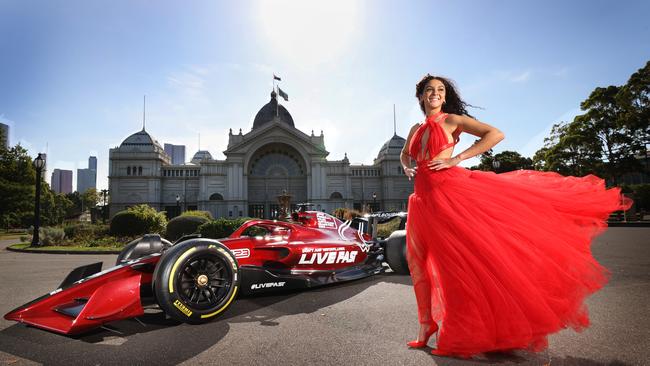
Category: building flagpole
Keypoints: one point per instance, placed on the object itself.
(144, 110)
(394, 122)
(277, 101)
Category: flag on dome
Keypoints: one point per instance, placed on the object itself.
(283, 94)
(276, 78)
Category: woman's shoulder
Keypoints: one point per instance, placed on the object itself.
(454, 119)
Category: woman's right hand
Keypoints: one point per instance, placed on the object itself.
(410, 172)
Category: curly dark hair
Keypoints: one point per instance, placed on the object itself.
(453, 104)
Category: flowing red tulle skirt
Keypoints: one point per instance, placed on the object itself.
(500, 261)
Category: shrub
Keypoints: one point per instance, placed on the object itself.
(136, 220)
(221, 227)
(77, 230)
(384, 230)
(205, 214)
(51, 236)
(183, 225)
(345, 213)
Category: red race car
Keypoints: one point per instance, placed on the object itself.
(197, 279)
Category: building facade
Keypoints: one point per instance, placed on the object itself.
(273, 159)
(61, 181)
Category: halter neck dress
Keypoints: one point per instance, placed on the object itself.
(500, 261)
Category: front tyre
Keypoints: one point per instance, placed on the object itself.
(196, 280)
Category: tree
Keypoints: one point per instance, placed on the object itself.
(486, 160)
(511, 160)
(565, 151)
(608, 134)
(75, 208)
(90, 198)
(634, 97)
(508, 161)
(608, 138)
(17, 178)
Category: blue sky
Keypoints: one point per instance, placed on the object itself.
(73, 73)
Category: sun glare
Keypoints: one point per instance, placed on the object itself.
(310, 33)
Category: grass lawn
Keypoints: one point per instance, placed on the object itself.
(4, 236)
(25, 246)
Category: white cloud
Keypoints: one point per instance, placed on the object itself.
(521, 78)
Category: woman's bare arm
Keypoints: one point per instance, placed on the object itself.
(405, 158)
(489, 136)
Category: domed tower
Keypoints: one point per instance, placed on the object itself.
(272, 111)
(395, 186)
(391, 150)
(134, 172)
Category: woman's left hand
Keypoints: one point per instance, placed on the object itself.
(439, 164)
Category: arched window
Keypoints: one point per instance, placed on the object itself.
(216, 197)
(336, 196)
(139, 170)
(128, 170)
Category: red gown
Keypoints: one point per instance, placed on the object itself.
(500, 261)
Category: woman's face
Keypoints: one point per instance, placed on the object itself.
(434, 95)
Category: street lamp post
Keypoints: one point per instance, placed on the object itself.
(39, 163)
(374, 201)
(104, 210)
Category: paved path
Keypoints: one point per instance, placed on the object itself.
(365, 322)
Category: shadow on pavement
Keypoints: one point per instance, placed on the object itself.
(155, 339)
(523, 358)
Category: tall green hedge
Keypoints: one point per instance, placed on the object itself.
(183, 225)
(136, 220)
(205, 214)
(221, 227)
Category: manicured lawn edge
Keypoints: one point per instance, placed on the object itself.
(24, 248)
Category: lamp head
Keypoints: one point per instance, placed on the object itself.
(39, 162)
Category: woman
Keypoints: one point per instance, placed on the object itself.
(498, 261)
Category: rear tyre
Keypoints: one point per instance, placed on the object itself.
(396, 252)
(196, 280)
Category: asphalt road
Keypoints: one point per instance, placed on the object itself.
(365, 322)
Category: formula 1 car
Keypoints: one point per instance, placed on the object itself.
(196, 279)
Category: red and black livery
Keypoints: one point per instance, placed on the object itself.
(197, 279)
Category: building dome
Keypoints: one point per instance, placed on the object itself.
(200, 156)
(392, 147)
(271, 111)
(141, 140)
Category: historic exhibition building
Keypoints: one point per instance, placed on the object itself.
(273, 159)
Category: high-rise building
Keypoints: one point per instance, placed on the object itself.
(4, 135)
(176, 152)
(92, 163)
(87, 178)
(62, 181)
